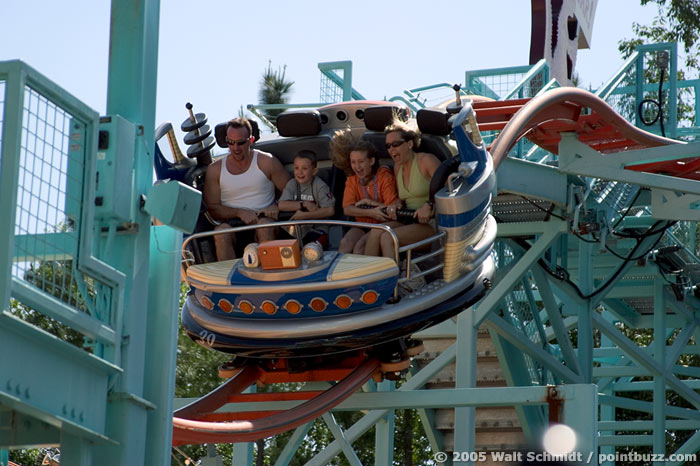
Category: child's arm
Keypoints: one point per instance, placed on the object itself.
(354, 211)
(289, 206)
(321, 212)
(286, 202)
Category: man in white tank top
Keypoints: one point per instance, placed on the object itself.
(242, 185)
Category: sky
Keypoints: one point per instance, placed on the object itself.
(213, 52)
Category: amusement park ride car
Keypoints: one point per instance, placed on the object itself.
(290, 312)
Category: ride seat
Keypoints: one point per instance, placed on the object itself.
(376, 119)
(220, 132)
(301, 129)
(432, 123)
(435, 128)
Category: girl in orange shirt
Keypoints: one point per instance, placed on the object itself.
(369, 185)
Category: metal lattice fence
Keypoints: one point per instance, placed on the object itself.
(510, 83)
(330, 90)
(49, 226)
(495, 86)
(46, 238)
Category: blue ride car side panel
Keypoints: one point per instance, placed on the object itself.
(330, 344)
(326, 302)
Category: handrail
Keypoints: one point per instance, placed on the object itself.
(551, 84)
(290, 223)
(408, 249)
(534, 70)
(398, 98)
(412, 96)
(397, 250)
(605, 91)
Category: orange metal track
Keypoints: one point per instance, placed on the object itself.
(542, 119)
(198, 423)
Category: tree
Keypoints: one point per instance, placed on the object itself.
(676, 21)
(274, 89)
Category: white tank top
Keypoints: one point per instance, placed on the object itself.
(251, 189)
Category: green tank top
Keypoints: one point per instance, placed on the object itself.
(418, 189)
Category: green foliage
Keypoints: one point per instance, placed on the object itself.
(676, 21)
(196, 374)
(48, 324)
(33, 456)
(274, 88)
(411, 446)
(644, 337)
(55, 278)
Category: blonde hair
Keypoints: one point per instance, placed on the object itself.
(343, 143)
(407, 132)
(340, 147)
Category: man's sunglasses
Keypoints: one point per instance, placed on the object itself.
(389, 145)
(242, 142)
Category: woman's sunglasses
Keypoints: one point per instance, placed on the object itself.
(394, 144)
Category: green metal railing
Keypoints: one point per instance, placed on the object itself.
(336, 82)
(428, 96)
(512, 83)
(508, 83)
(638, 79)
(47, 144)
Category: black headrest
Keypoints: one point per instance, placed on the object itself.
(433, 121)
(220, 132)
(379, 117)
(297, 123)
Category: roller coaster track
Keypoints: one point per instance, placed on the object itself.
(197, 423)
(542, 119)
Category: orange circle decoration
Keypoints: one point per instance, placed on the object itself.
(269, 307)
(293, 306)
(246, 306)
(206, 302)
(225, 305)
(369, 297)
(343, 301)
(318, 304)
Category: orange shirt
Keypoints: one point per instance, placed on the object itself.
(381, 188)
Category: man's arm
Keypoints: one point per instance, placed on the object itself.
(274, 170)
(212, 191)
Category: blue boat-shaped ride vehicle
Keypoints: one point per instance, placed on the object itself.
(282, 300)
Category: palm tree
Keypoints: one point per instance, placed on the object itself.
(274, 88)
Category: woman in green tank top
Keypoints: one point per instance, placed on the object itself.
(413, 171)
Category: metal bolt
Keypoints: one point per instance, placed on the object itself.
(64, 409)
(26, 393)
(81, 416)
